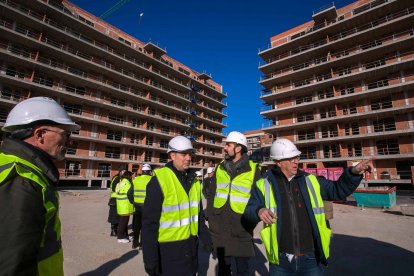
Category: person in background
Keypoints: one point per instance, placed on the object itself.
(173, 217)
(113, 217)
(290, 203)
(207, 181)
(227, 198)
(123, 206)
(39, 132)
(136, 194)
(199, 176)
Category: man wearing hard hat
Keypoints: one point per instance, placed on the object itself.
(137, 192)
(173, 214)
(290, 203)
(227, 197)
(38, 134)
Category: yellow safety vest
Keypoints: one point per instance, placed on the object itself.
(140, 187)
(179, 215)
(123, 206)
(50, 256)
(269, 232)
(239, 188)
(113, 194)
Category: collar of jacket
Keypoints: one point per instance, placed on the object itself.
(182, 176)
(241, 166)
(32, 154)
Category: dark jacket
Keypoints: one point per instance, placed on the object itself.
(330, 190)
(231, 234)
(173, 258)
(22, 211)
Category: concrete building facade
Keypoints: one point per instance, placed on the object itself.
(342, 87)
(258, 143)
(130, 97)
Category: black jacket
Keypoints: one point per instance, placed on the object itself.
(22, 212)
(330, 190)
(173, 258)
(231, 234)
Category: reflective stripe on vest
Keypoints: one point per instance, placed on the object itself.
(50, 256)
(140, 187)
(123, 206)
(238, 188)
(179, 215)
(269, 232)
(314, 191)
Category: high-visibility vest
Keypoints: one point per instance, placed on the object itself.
(50, 255)
(269, 232)
(123, 206)
(140, 187)
(113, 192)
(179, 215)
(238, 188)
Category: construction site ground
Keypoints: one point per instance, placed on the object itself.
(366, 241)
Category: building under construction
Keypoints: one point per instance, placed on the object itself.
(129, 97)
(342, 88)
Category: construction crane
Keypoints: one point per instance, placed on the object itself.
(113, 9)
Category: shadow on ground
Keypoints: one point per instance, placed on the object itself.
(108, 267)
(365, 256)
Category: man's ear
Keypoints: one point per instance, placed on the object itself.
(38, 134)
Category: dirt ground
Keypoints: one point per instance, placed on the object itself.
(366, 241)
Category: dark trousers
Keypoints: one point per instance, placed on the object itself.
(298, 265)
(123, 227)
(137, 224)
(224, 265)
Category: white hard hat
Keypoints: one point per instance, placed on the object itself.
(146, 167)
(198, 173)
(236, 137)
(210, 169)
(37, 109)
(283, 149)
(180, 144)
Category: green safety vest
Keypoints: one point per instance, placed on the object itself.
(238, 188)
(50, 256)
(113, 194)
(179, 215)
(140, 187)
(269, 232)
(123, 206)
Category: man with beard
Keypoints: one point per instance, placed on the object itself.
(39, 132)
(228, 195)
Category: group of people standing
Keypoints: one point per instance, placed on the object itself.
(127, 198)
(287, 200)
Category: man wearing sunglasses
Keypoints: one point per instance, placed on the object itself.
(38, 134)
(290, 203)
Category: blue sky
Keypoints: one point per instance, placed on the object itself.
(219, 37)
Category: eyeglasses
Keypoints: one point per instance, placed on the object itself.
(296, 158)
(63, 133)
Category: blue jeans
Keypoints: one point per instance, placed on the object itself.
(301, 265)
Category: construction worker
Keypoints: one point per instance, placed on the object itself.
(137, 192)
(38, 134)
(199, 176)
(290, 203)
(228, 195)
(207, 181)
(172, 214)
(113, 217)
(123, 206)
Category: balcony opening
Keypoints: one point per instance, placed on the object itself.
(387, 147)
